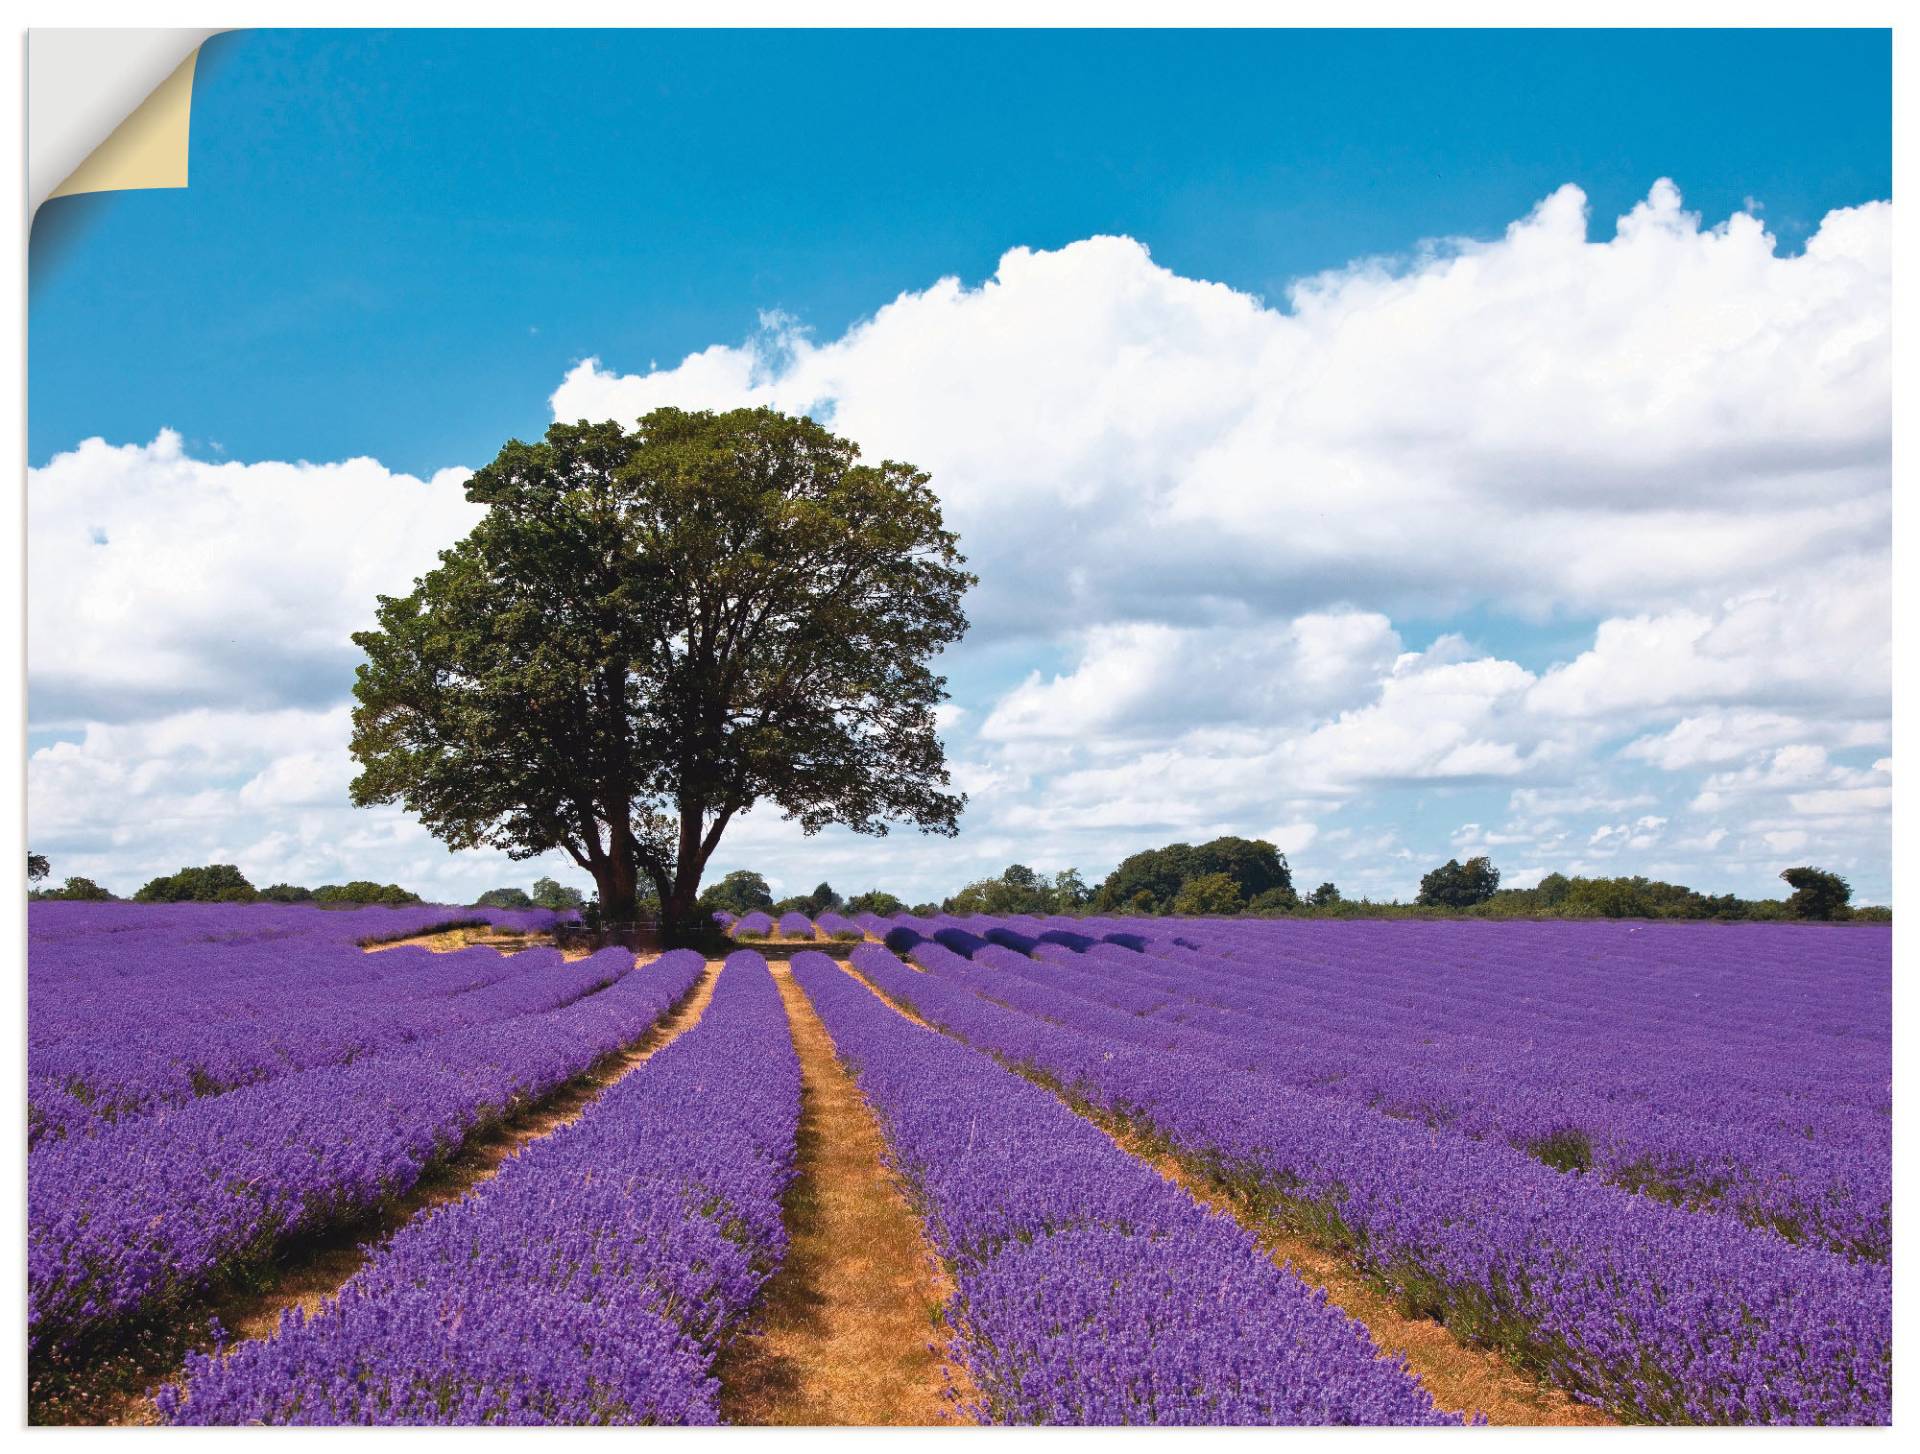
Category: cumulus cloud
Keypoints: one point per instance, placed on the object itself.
(266, 790)
(1144, 676)
(160, 582)
(1205, 525)
(1665, 416)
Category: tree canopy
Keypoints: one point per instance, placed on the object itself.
(549, 893)
(651, 631)
(504, 898)
(1150, 881)
(1209, 895)
(1021, 890)
(741, 892)
(364, 891)
(1816, 894)
(1460, 885)
(214, 883)
(37, 866)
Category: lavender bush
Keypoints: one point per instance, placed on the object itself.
(134, 1008)
(138, 1215)
(1089, 1290)
(1660, 1314)
(591, 1281)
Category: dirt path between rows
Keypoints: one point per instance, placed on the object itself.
(465, 936)
(844, 1331)
(1462, 1380)
(313, 1272)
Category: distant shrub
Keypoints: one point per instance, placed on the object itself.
(551, 894)
(1271, 904)
(1211, 895)
(1817, 894)
(504, 899)
(1457, 885)
(215, 883)
(740, 892)
(286, 894)
(364, 891)
(76, 888)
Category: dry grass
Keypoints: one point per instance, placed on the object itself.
(119, 1389)
(843, 1336)
(464, 936)
(1461, 1379)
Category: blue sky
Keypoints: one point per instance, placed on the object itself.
(396, 247)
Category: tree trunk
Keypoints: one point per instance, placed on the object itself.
(676, 903)
(619, 889)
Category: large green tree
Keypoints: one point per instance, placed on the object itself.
(1457, 885)
(1020, 890)
(1817, 894)
(213, 883)
(651, 631)
(1150, 881)
(741, 892)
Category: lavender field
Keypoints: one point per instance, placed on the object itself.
(1642, 1168)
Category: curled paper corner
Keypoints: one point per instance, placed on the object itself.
(108, 110)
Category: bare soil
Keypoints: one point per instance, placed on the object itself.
(445, 941)
(849, 1332)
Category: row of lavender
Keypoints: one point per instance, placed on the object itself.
(135, 1008)
(1655, 1312)
(1736, 1069)
(144, 1213)
(1088, 1289)
(791, 925)
(592, 1281)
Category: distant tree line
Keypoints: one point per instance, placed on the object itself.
(1226, 878)
(1240, 877)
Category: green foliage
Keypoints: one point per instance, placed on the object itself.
(37, 866)
(1021, 890)
(1149, 882)
(551, 894)
(1270, 905)
(741, 892)
(822, 900)
(1817, 894)
(1324, 896)
(876, 901)
(1213, 895)
(215, 883)
(508, 898)
(286, 894)
(75, 888)
(363, 891)
(651, 631)
(1458, 885)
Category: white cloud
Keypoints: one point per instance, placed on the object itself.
(262, 789)
(1138, 676)
(1220, 515)
(1814, 641)
(1716, 737)
(162, 582)
(1664, 416)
